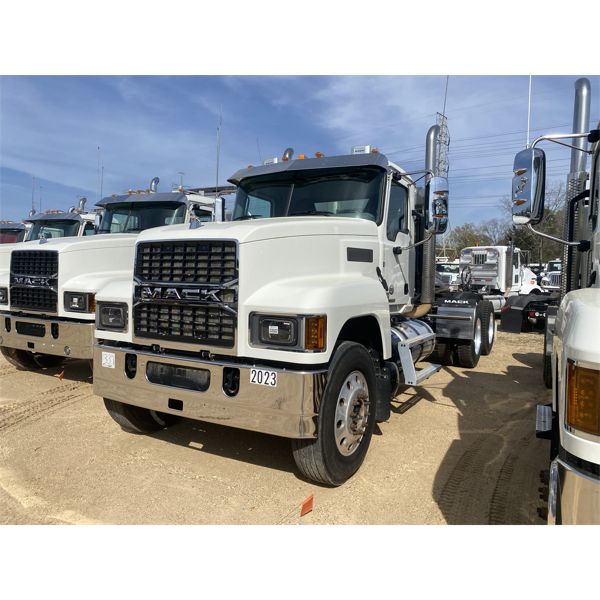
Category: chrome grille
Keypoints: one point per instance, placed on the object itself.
(555, 279)
(193, 324)
(183, 283)
(34, 279)
(208, 262)
(479, 258)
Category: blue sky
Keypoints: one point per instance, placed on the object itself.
(51, 128)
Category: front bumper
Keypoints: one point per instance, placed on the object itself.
(287, 410)
(574, 497)
(47, 336)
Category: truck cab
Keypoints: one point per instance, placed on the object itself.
(48, 285)
(300, 318)
(571, 350)
(11, 233)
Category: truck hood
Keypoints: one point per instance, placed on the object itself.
(255, 230)
(72, 244)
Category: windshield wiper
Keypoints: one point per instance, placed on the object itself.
(311, 212)
(246, 217)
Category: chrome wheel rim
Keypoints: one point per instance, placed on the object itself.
(351, 413)
(477, 336)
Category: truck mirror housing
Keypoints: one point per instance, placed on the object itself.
(438, 203)
(97, 221)
(528, 186)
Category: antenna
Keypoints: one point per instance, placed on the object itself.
(99, 184)
(529, 111)
(218, 153)
(445, 95)
(32, 194)
(40, 198)
(259, 152)
(101, 180)
(181, 174)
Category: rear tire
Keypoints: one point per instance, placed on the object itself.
(29, 361)
(345, 422)
(488, 327)
(468, 354)
(135, 419)
(442, 354)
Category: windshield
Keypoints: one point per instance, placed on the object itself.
(554, 266)
(330, 192)
(445, 268)
(10, 236)
(132, 217)
(53, 229)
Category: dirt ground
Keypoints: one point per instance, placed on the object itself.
(459, 450)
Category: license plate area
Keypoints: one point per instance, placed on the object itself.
(263, 377)
(33, 329)
(185, 378)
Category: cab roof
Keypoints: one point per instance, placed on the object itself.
(145, 197)
(325, 162)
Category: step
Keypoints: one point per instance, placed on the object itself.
(543, 421)
(418, 377)
(419, 339)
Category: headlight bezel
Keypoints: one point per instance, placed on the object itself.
(3, 295)
(301, 340)
(119, 306)
(87, 305)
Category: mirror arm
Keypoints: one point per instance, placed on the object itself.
(398, 249)
(562, 136)
(582, 245)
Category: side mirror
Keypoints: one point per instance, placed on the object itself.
(528, 186)
(438, 203)
(97, 221)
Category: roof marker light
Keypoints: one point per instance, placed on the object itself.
(301, 157)
(319, 155)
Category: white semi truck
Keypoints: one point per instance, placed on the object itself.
(496, 272)
(300, 318)
(48, 285)
(54, 223)
(572, 348)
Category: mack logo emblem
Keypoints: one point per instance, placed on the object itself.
(32, 281)
(171, 293)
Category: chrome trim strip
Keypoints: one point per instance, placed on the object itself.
(577, 496)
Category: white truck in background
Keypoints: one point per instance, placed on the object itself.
(571, 347)
(301, 317)
(11, 232)
(497, 273)
(54, 223)
(48, 285)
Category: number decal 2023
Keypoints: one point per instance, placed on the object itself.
(263, 377)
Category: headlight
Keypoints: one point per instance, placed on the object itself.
(583, 398)
(112, 317)
(290, 333)
(79, 302)
(545, 281)
(3, 295)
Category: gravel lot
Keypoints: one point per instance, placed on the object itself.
(459, 450)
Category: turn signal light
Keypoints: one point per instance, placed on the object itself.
(301, 156)
(583, 397)
(315, 333)
(319, 154)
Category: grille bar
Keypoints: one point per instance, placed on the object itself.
(34, 263)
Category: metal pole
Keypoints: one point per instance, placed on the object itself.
(218, 154)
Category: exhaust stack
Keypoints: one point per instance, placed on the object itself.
(576, 217)
(154, 184)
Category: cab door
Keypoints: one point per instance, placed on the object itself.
(395, 233)
(516, 271)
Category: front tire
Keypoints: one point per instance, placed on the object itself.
(29, 361)
(135, 419)
(345, 422)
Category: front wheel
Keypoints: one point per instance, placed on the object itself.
(345, 422)
(135, 419)
(30, 361)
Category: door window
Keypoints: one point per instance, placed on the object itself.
(398, 208)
